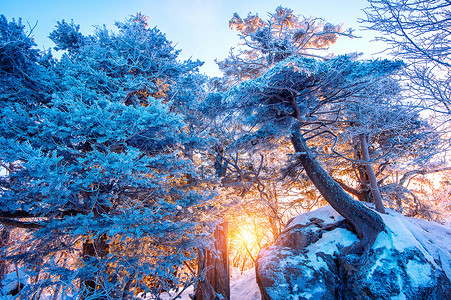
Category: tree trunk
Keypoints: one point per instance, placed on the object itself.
(214, 271)
(273, 213)
(220, 164)
(371, 176)
(4, 240)
(367, 223)
(126, 293)
(364, 191)
(213, 265)
(93, 249)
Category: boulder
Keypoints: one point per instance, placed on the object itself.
(411, 260)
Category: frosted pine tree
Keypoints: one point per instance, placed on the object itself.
(99, 159)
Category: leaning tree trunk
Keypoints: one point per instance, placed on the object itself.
(367, 223)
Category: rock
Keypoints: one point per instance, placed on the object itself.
(411, 260)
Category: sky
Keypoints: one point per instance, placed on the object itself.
(198, 27)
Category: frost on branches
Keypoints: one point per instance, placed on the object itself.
(98, 159)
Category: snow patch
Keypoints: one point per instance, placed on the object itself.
(330, 243)
(326, 213)
(432, 239)
(308, 295)
(419, 273)
(244, 287)
(382, 263)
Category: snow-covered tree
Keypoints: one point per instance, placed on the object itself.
(301, 99)
(98, 157)
(356, 137)
(375, 132)
(266, 42)
(418, 32)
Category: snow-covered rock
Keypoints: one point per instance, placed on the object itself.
(411, 260)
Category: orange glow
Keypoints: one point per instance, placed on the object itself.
(247, 236)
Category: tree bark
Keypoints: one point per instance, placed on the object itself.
(213, 265)
(364, 193)
(367, 223)
(220, 164)
(4, 240)
(377, 198)
(98, 249)
(214, 269)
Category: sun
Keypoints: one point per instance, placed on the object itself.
(248, 237)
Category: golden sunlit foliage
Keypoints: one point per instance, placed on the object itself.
(266, 42)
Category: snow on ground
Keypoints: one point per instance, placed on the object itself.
(242, 287)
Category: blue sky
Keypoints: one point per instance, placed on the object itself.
(198, 27)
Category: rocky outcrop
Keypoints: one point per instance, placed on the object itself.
(410, 260)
